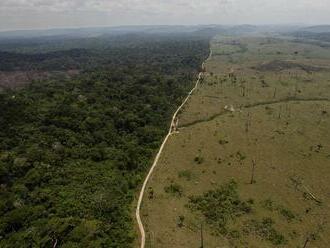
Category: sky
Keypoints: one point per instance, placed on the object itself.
(44, 14)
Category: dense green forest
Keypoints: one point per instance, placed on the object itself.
(73, 152)
(91, 53)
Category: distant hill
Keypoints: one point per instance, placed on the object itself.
(317, 29)
(319, 34)
(44, 41)
(99, 31)
(95, 32)
(244, 28)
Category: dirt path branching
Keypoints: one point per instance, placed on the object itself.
(253, 105)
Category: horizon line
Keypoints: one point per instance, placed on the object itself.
(157, 25)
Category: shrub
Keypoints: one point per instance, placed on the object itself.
(185, 174)
(174, 189)
(223, 142)
(268, 204)
(240, 156)
(181, 221)
(199, 160)
(265, 230)
(287, 214)
(220, 206)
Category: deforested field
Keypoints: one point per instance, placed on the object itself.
(249, 166)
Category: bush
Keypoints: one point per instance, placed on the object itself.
(198, 159)
(268, 204)
(265, 230)
(287, 214)
(223, 142)
(185, 174)
(181, 221)
(174, 189)
(220, 206)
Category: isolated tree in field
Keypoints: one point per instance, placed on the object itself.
(151, 193)
(288, 110)
(181, 221)
(243, 88)
(252, 171)
(295, 90)
(312, 236)
(202, 237)
(306, 242)
(280, 112)
(248, 123)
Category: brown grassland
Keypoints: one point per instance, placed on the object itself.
(260, 120)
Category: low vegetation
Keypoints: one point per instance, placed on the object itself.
(284, 212)
(185, 174)
(220, 206)
(174, 189)
(265, 230)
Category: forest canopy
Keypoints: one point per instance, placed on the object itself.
(73, 151)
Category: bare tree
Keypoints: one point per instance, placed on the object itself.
(252, 171)
(279, 113)
(247, 123)
(202, 237)
(306, 242)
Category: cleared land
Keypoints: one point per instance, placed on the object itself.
(251, 160)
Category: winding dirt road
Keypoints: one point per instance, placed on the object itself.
(170, 132)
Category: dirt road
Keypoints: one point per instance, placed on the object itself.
(170, 132)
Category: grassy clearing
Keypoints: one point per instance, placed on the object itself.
(261, 118)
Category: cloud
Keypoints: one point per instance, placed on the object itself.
(163, 8)
(15, 13)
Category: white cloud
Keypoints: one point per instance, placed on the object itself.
(45, 13)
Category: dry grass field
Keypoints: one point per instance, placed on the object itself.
(250, 164)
